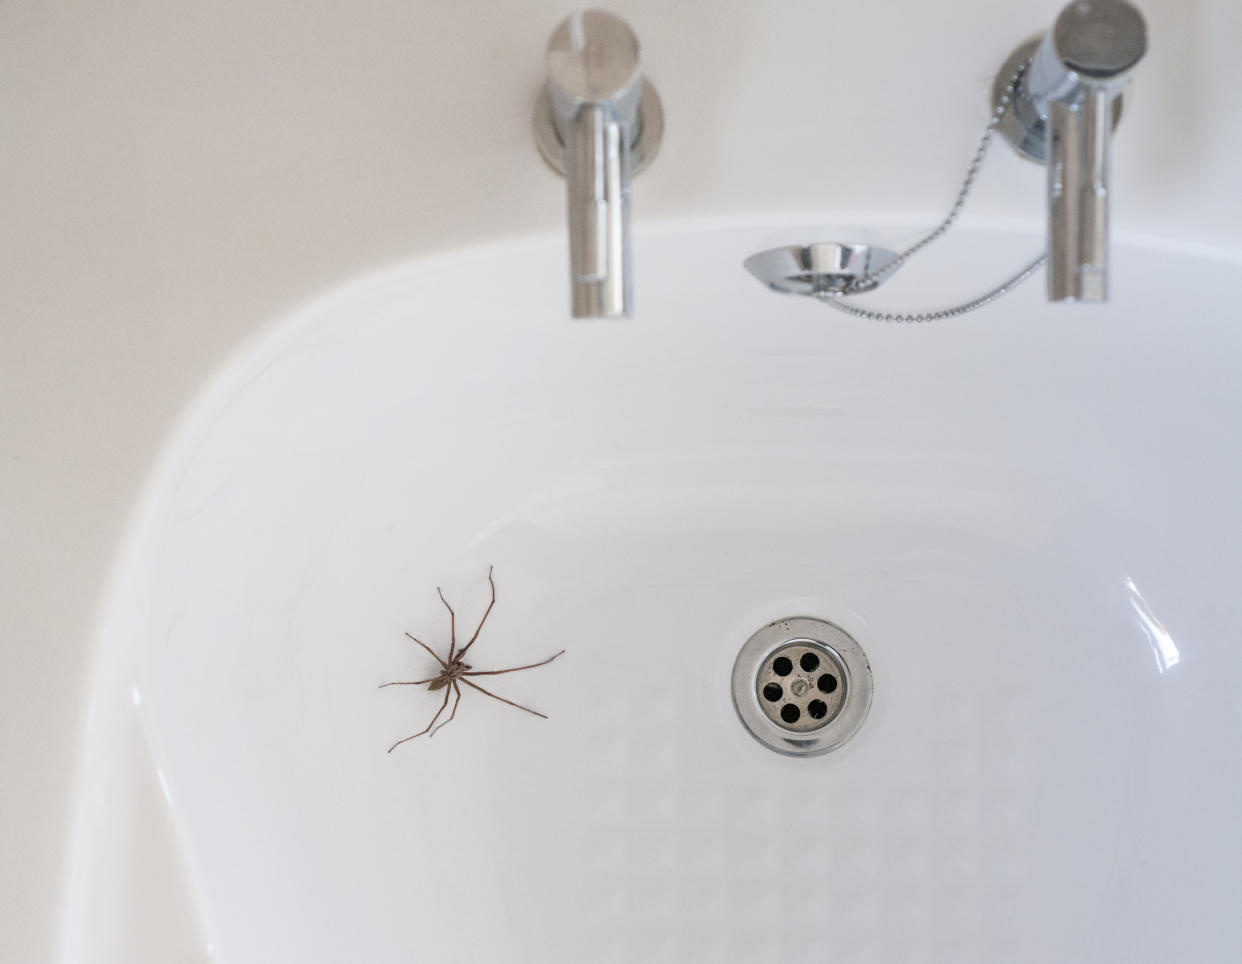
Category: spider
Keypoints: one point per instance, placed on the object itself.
(455, 671)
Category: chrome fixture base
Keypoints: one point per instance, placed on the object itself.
(1022, 125)
(826, 267)
(824, 683)
(643, 147)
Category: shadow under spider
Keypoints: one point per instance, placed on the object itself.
(454, 671)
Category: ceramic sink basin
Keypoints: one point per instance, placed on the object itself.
(1028, 518)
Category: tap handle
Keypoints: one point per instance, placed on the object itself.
(599, 123)
(593, 58)
(1089, 54)
(1100, 40)
(1094, 45)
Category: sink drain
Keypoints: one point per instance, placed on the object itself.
(802, 686)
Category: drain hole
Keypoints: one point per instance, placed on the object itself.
(801, 686)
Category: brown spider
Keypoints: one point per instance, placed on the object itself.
(454, 671)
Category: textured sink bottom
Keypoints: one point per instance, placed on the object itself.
(1025, 517)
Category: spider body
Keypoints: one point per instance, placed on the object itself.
(454, 671)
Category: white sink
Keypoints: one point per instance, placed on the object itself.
(1027, 517)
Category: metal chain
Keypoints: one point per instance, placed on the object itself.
(833, 299)
(940, 313)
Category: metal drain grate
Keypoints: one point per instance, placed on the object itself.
(802, 686)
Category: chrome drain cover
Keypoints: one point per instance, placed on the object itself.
(802, 686)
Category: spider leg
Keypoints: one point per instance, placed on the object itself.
(452, 624)
(456, 703)
(416, 682)
(430, 650)
(447, 694)
(485, 615)
(497, 672)
(502, 699)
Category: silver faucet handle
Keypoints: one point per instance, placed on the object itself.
(593, 58)
(1062, 114)
(598, 123)
(1093, 46)
(1100, 40)
(1097, 44)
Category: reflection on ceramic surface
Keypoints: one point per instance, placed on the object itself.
(965, 499)
(1162, 644)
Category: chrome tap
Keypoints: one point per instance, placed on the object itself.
(1063, 113)
(598, 123)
